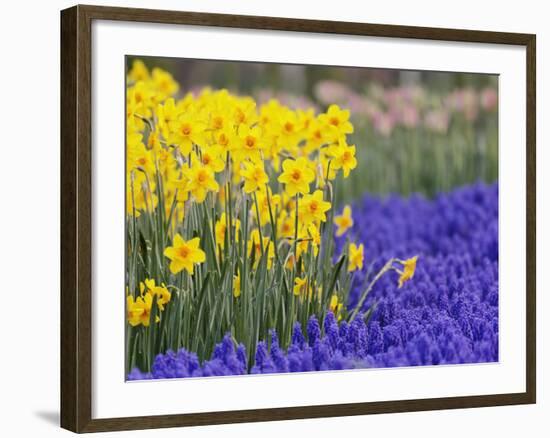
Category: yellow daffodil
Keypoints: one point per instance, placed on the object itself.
(309, 237)
(221, 229)
(161, 292)
(266, 200)
(164, 84)
(201, 181)
(313, 207)
(336, 122)
(138, 310)
(138, 156)
(335, 306)
(289, 131)
(154, 142)
(167, 164)
(225, 139)
(179, 186)
(146, 285)
(315, 235)
(237, 285)
(138, 72)
(290, 262)
(315, 137)
(141, 95)
(343, 157)
(302, 246)
(300, 286)
(254, 246)
(297, 175)
(409, 267)
(254, 176)
(133, 122)
(305, 118)
(144, 161)
(186, 131)
(211, 156)
(222, 196)
(167, 115)
(286, 224)
(244, 112)
(355, 257)
(140, 195)
(219, 118)
(250, 143)
(269, 112)
(184, 254)
(344, 222)
(187, 104)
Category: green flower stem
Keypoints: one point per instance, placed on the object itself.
(387, 267)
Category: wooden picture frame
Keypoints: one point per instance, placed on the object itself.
(76, 217)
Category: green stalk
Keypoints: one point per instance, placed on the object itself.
(387, 267)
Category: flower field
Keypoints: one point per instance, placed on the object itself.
(253, 246)
(447, 315)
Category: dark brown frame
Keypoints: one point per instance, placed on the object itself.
(76, 226)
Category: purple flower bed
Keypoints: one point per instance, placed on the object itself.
(447, 314)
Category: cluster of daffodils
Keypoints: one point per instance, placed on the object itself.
(231, 201)
(139, 308)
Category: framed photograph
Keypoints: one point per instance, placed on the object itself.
(268, 218)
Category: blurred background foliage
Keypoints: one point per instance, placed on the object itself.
(415, 131)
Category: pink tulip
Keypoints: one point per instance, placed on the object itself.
(489, 99)
(329, 91)
(437, 121)
(471, 104)
(383, 123)
(409, 116)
